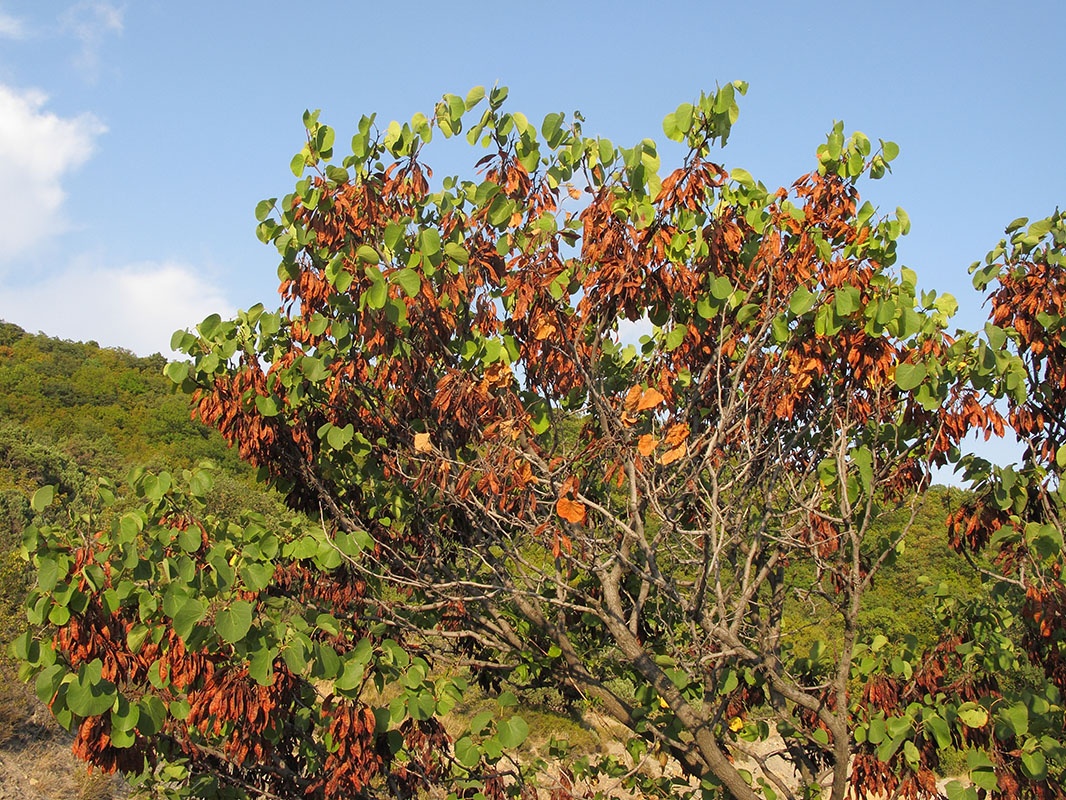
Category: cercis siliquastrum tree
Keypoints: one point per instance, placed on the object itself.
(566, 420)
(450, 375)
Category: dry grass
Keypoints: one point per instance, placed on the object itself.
(95, 786)
(23, 718)
(35, 758)
(40, 770)
(45, 769)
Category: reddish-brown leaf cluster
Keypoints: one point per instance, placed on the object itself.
(1045, 615)
(234, 726)
(1030, 286)
(428, 746)
(941, 672)
(342, 593)
(249, 717)
(1030, 289)
(870, 776)
(92, 744)
(356, 759)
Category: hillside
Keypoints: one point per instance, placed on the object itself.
(103, 408)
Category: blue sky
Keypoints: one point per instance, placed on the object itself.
(137, 137)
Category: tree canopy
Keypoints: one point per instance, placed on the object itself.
(505, 485)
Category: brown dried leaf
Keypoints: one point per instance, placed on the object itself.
(423, 443)
(571, 510)
(544, 330)
(647, 444)
(677, 434)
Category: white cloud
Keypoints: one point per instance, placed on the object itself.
(11, 27)
(89, 21)
(37, 148)
(137, 306)
(630, 332)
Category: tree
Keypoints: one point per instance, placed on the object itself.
(502, 480)
(1015, 515)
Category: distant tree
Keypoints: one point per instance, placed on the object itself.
(501, 479)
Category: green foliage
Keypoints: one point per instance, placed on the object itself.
(898, 604)
(902, 600)
(70, 410)
(185, 582)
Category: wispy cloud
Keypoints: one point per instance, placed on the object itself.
(37, 149)
(90, 22)
(136, 306)
(11, 27)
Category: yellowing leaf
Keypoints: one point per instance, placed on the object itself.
(423, 443)
(650, 399)
(544, 330)
(736, 724)
(571, 510)
(973, 715)
(632, 399)
(670, 456)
